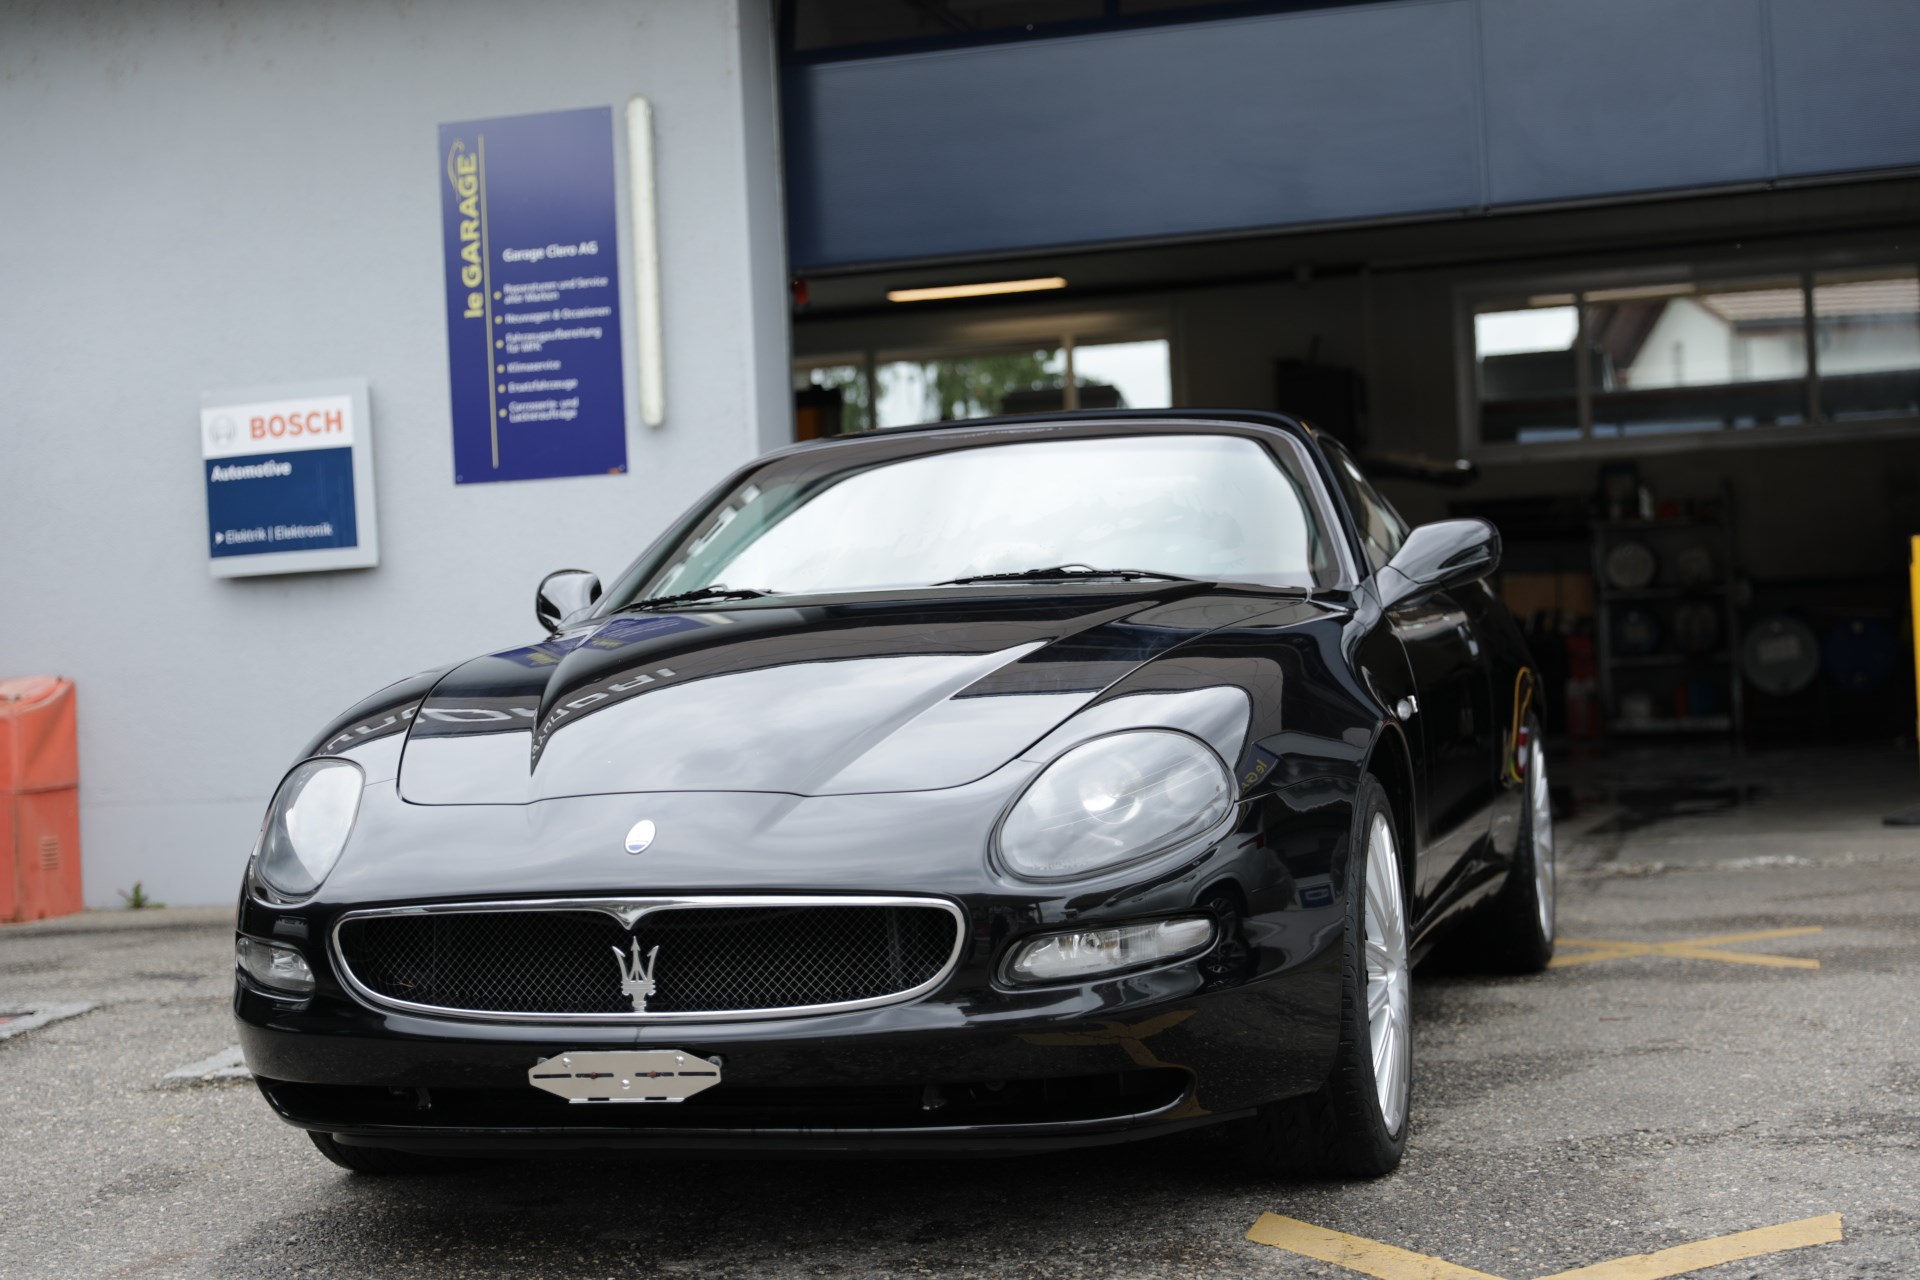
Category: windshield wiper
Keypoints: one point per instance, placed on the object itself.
(1066, 572)
(693, 597)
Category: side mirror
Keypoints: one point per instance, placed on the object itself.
(1446, 553)
(563, 593)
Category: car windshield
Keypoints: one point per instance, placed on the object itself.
(1213, 507)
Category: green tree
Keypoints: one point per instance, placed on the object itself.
(976, 386)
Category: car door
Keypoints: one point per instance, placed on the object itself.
(1452, 715)
(1455, 723)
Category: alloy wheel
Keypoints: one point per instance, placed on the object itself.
(1540, 801)
(1388, 1007)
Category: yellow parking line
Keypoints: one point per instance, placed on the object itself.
(1600, 951)
(1355, 1253)
(1388, 1262)
(1739, 957)
(1681, 1259)
(1708, 948)
(1760, 935)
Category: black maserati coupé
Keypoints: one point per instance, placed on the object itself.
(987, 787)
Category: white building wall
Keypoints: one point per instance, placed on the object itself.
(204, 195)
(1690, 346)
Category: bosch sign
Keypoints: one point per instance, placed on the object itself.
(288, 479)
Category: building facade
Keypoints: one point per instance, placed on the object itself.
(205, 196)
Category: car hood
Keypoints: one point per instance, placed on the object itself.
(835, 699)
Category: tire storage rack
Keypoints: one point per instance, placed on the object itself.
(1668, 638)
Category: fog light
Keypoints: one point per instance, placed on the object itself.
(274, 966)
(1058, 957)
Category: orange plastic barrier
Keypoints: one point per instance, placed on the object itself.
(39, 799)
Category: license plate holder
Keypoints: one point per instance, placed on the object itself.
(624, 1075)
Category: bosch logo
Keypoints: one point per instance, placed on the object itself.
(291, 426)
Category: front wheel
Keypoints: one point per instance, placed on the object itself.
(1356, 1122)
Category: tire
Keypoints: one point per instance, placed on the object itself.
(378, 1161)
(1517, 933)
(1356, 1123)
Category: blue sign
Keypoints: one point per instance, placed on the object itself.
(280, 502)
(532, 269)
(289, 478)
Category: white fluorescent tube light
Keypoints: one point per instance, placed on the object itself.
(937, 292)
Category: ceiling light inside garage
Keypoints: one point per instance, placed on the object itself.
(936, 292)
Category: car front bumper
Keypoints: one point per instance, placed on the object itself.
(975, 1064)
(1099, 1065)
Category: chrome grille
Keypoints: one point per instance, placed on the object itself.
(731, 958)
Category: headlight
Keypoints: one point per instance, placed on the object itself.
(308, 824)
(272, 965)
(1114, 800)
(1061, 957)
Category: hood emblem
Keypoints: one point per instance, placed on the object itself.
(636, 978)
(640, 835)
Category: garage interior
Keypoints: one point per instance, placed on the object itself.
(1693, 411)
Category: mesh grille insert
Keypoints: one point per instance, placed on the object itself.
(721, 959)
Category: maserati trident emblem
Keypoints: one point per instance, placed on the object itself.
(636, 978)
(640, 835)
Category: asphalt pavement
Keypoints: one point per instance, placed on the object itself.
(1647, 1094)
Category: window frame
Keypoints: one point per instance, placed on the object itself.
(1806, 268)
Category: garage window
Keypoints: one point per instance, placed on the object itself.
(946, 386)
(1867, 341)
(902, 388)
(1686, 357)
(839, 387)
